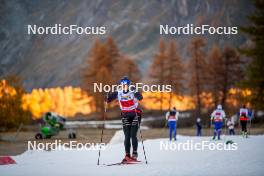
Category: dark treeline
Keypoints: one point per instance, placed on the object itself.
(254, 79)
(12, 113)
(212, 71)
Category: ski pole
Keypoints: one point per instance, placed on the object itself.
(239, 125)
(249, 126)
(141, 138)
(102, 133)
(225, 128)
(252, 115)
(166, 124)
(166, 120)
(210, 128)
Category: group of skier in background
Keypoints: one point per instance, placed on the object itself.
(218, 119)
(131, 117)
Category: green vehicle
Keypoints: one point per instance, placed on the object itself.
(53, 125)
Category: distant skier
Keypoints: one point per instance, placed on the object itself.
(231, 126)
(131, 116)
(172, 118)
(243, 118)
(198, 127)
(217, 117)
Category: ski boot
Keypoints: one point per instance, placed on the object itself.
(127, 158)
(214, 135)
(218, 135)
(134, 156)
(246, 135)
(243, 134)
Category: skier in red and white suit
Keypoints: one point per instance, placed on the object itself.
(172, 118)
(217, 117)
(131, 115)
(243, 118)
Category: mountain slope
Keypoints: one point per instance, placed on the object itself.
(55, 60)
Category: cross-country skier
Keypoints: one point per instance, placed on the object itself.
(231, 126)
(131, 116)
(172, 118)
(199, 127)
(217, 117)
(243, 118)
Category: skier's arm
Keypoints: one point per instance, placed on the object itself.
(167, 115)
(224, 115)
(177, 115)
(111, 96)
(247, 113)
(138, 96)
(212, 115)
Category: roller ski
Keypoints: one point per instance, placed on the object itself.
(127, 160)
(244, 134)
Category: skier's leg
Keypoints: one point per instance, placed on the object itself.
(242, 126)
(134, 130)
(175, 131)
(214, 134)
(215, 130)
(135, 122)
(170, 129)
(127, 134)
(246, 129)
(218, 134)
(219, 130)
(232, 132)
(199, 132)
